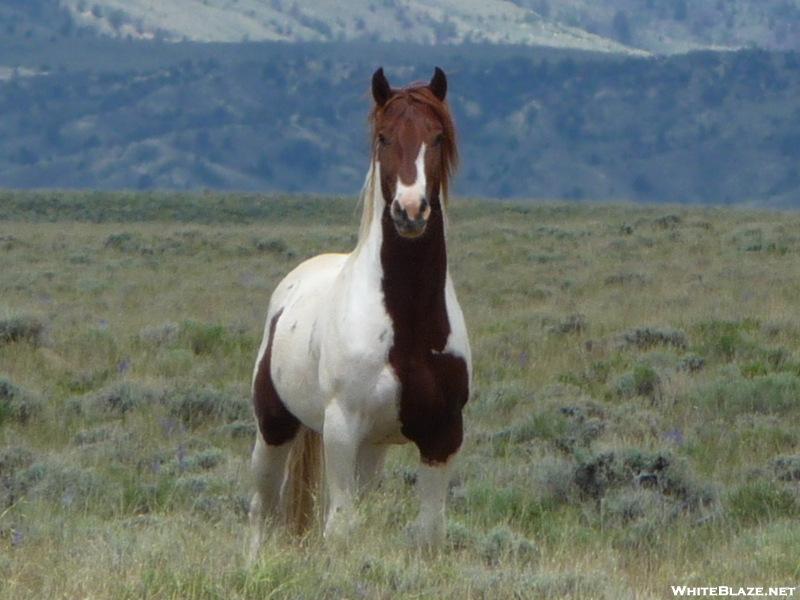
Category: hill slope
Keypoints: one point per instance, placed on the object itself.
(656, 26)
(704, 127)
(426, 21)
(659, 26)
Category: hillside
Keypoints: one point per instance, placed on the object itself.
(429, 21)
(656, 26)
(534, 123)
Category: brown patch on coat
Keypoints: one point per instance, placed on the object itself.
(434, 386)
(276, 424)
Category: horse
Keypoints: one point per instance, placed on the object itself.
(369, 349)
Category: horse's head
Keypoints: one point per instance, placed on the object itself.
(414, 141)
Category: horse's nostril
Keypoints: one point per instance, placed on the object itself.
(423, 205)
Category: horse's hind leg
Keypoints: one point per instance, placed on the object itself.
(268, 466)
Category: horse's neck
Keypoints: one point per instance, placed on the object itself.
(414, 282)
(412, 273)
(414, 270)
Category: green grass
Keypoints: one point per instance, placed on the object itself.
(633, 423)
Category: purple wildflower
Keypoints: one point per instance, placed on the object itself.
(17, 537)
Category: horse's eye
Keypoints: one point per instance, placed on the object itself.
(382, 140)
(437, 141)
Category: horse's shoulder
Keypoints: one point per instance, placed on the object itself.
(310, 274)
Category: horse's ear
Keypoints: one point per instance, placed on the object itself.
(381, 90)
(438, 84)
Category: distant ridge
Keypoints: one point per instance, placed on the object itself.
(625, 26)
(423, 21)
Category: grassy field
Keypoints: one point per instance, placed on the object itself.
(633, 424)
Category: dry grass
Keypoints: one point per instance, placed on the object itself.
(632, 426)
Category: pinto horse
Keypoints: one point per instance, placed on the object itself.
(369, 349)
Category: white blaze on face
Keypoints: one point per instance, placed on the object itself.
(409, 197)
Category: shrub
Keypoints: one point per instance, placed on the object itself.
(691, 363)
(207, 338)
(638, 279)
(725, 339)
(196, 406)
(161, 335)
(758, 501)
(569, 584)
(272, 246)
(84, 381)
(644, 338)
(629, 505)
(571, 324)
(60, 484)
(501, 398)
(123, 242)
(516, 505)
(581, 423)
(786, 468)
(667, 222)
(191, 486)
(22, 328)
(97, 435)
(631, 468)
(118, 398)
(187, 462)
(774, 393)
(213, 507)
(174, 362)
(544, 425)
(501, 544)
(203, 338)
(238, 430)
(14, 459)
(18, 404)
(643, 380)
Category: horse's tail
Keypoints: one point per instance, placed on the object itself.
(303, 490)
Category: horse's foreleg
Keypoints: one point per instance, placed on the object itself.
(268, 465)
(432, 484)
(341, 443)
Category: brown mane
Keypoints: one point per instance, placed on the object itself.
(419, 93)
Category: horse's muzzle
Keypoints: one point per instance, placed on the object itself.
(410, 218)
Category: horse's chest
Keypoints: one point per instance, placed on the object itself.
(433, 389)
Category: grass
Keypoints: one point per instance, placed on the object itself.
(632, 424)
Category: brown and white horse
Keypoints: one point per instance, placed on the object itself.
(369, 349)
